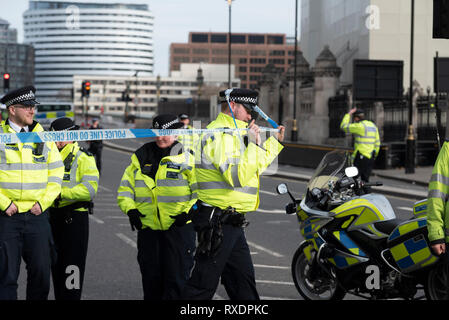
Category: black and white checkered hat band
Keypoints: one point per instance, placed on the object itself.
(241, 99)
(24, 97)
(166, 125)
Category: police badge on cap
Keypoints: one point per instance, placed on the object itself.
(24, 96)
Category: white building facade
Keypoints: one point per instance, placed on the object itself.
(89, 39)
(372, 29)
(145, 91)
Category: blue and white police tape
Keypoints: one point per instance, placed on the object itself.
(105, 134)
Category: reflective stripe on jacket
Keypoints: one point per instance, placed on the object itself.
(80, 181)
(172, 192)
(228, 171)
(366, 136)
(29, 172)
(437, 200)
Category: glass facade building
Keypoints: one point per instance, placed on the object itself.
(86, 38)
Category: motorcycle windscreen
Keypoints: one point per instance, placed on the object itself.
(331, 168)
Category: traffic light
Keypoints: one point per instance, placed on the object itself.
(6, 77)
(85, 89)
(125, 96)
(440, 19)
(87, 86)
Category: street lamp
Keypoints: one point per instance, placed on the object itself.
(229, 44)
(199, 81)
(294, 135)
(158, 92)
(136, 98)
(410, 146)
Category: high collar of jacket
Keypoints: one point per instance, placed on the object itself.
(150, 153)
(35, 126)
(226, 121)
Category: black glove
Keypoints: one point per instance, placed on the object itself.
(181, 219)
(134, 219)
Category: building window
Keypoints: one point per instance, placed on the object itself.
(236, 38)
(275, 39)
(200, 37)
(242, 69)
(259, 39)
(258, 61)
(243, 60)
(218, 38)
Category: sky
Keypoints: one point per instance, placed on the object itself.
(173, 19)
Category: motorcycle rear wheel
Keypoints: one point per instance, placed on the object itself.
(437, 285)
(322, 287)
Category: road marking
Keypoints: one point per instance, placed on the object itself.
(268, 192)
(270, 252)
(405, 208)
(271, 267)
(287, 283)
(96, 219)
(127, 240)
(217, 297)
(270, 211)
(275, 298)
(104, 188)
(116, 217)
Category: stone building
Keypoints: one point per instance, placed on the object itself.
(315, 85)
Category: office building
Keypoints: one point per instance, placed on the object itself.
(250, 53)
(15, 59)
(87, 38)
(375, 30)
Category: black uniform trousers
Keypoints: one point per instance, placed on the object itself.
(232, 263)
(96, 150)
(165, 258)
(27, 236)
(364, 165)
(71, 235)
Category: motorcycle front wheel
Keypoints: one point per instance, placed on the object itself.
(313, 284)
(437, 285)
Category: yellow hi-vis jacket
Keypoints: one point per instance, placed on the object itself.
(172, 192)
(29, 172)
(228, 171)
(437, 199)
(81, 176)
(366, 136)
(189, 141)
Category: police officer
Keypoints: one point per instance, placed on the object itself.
(184, 118)
(96, 146)
(69, 214)
(157, 192)
(437, 217)
(30, 180)
(228, 187)
(366, 143)
(188, 141)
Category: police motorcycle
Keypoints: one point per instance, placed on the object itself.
(355, 244)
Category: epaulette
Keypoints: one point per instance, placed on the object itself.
(86, 151)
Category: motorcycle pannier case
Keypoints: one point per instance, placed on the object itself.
(409, 246)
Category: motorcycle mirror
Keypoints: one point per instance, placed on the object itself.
(282, 188)
(351, 172)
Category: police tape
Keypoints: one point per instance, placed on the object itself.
(107, 134)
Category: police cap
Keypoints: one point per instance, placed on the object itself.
(24, 96)
(246, 97)
(62, 124)
(167, 121)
